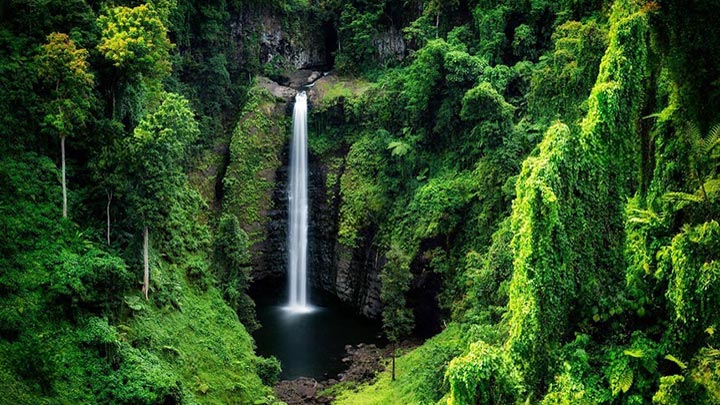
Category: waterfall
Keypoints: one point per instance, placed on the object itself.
(298, 210)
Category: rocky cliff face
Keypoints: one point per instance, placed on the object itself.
(352, 275)
(300, 49)
(256, 191)
(390, 44)
(261, 35)
(300, 42)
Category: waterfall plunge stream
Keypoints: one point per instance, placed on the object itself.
(298, 210)
(308, 339)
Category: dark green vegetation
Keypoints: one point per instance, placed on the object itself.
(555, 164)
(106, 80)
(552, 167)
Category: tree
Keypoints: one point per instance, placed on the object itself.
(233, 248)
(395, 278)
(356, 32)
(156, 161)
(437, 8)
(63, 69)
(135, 41)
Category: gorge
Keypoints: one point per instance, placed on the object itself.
(468, 202)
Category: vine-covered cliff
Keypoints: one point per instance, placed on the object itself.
(530, 188)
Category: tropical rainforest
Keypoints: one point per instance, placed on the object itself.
(532, 187)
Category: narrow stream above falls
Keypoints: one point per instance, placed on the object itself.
(311, 344)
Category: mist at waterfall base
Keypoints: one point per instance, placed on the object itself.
(309, 340)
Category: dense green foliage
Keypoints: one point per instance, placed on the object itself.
(75, 326)
(552, 162)
(254, 156)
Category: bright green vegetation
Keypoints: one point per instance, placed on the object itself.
(255, 149)
(552, 167)
(76, 328)
(423, 369)
(554, 164)
(105, 82)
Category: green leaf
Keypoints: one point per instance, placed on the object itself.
(625, 380)
(398, 148)
(677, 196)
(677, 361)
(637, 353)
(134, 302)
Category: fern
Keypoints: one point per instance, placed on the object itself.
(702, 154)
(638, 216)
(712, 141)
(637, 353)
(706, 372)
(625, 380)
(697, 143)
(681, 199)
(620, 376)
(677, 361)
(712, 188)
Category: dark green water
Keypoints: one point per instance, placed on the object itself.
(311, 344)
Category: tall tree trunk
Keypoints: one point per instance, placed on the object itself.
(110, 196)
(112, 91)
(146, 260)
(64, 186)
(393, 360)
(337, 33)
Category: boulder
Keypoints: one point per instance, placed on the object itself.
(275, 89)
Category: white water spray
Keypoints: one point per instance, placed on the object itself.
(298, 210)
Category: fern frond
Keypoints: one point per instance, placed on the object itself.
(693, 134)
(681, 199)
(620, 376)
(638, 216)
(712, 139)
(626, 379)
(677, 361)
(712, 188)
(712, 352)
(696, 142)
(637, 353)
(681, 196)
